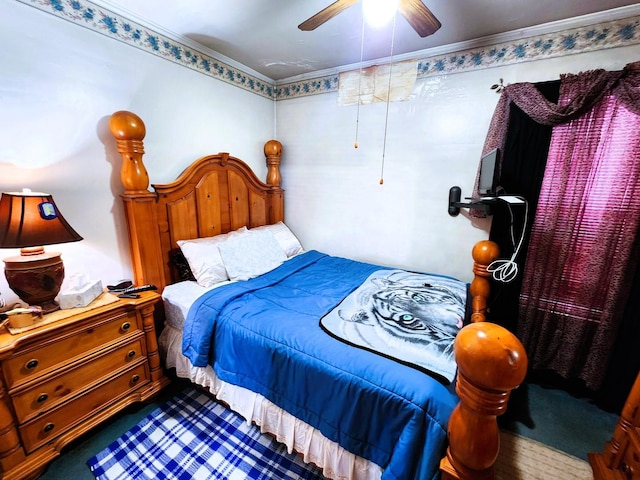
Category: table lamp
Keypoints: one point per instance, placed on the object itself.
(29, 220)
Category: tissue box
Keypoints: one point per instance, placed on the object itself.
(80, 296)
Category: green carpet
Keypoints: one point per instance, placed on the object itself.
(569, 423)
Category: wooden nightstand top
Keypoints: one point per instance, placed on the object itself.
(11, 340)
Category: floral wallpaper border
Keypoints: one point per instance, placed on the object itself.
(604, 35)
(611, 34)
(101, 20)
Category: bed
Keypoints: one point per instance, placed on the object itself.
(354, 412)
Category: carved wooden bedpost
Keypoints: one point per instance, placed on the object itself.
(139, 202)
(273, 154)
(491, 362)
(483, 253)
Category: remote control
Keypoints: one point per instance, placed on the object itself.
(129, 295)
(141, 288)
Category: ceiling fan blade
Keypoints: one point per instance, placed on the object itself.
(419, 17)
(327, 14)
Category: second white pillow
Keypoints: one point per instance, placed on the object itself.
(251, 254)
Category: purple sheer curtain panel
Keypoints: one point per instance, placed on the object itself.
(583, 239)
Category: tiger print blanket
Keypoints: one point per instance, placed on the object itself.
(409, 317)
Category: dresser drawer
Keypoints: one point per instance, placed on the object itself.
(34, 362)
(47, 427)
(34, 400)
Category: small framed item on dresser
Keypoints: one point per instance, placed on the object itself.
(68, 372)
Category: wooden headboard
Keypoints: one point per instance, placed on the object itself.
(214, 195)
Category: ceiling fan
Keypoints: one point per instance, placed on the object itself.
(414, 11)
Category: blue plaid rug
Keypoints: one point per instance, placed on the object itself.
(194, 437)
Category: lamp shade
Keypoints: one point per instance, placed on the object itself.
(29, 219)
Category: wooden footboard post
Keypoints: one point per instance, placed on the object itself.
(491, 363)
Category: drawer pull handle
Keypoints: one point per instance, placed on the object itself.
(42, 398)
(131, 354)
(31, 364)
(48, 427)
(135, 379)
(125, 326)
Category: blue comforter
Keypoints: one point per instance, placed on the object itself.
(263, 334)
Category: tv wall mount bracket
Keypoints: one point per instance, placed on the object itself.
(484, 204)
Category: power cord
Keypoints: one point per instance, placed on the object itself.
(506, 270)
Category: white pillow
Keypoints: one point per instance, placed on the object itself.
(252, 254)
(204, 258)
(285, 237)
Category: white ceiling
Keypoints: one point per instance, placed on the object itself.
(264, 36)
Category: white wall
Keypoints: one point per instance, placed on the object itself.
(334, 201)
(59, 83)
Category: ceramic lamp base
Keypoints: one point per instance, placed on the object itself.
(36, 279)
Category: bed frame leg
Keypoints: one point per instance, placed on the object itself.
(491, 363)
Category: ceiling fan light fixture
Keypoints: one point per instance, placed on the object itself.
(378, 13)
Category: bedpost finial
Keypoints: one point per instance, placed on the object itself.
(273, 152)
(126, 125)
(485, 251)
(491, 356)
(272, 148)
(129, 130)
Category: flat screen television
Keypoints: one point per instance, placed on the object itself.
(488, 181)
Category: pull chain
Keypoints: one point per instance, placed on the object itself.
(386, 120)
(355, 145)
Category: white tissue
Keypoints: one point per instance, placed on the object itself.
(77, 280)
(80, 292)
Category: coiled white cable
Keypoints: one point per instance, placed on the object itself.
(506, 270)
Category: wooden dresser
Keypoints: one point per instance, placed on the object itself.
(63, 378)
(620, 458)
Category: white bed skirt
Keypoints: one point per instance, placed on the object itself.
(336, 462)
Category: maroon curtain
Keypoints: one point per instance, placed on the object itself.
(588, 89)
(583, 240)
